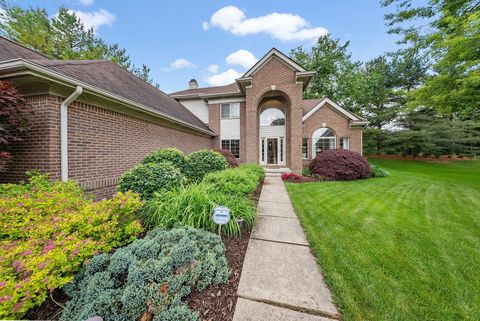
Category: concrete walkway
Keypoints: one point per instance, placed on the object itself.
(281, 279)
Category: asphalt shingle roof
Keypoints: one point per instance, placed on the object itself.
(230, 88)
(107, 76)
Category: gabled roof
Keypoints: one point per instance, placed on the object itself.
(274, 52)
(104, 76)
(301, 73)
(317, 104)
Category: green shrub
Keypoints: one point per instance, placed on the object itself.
(146, 179)
(306, 171)
(151, 276)
(254, 169)
(235, 181)
(172, 155)
(193, 206)
(47, 233)
(203, 162)
(378, 171)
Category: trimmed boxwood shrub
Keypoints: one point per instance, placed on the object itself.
(378, 171)
(232, 161)
(146, 179)
(48, 231)
(170, 154)
(203, 162)
(340, 165)
(234, 181)
(148, 278)
(193, 206)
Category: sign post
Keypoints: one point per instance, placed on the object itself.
(221, 216)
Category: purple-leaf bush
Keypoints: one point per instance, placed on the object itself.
(340, 165)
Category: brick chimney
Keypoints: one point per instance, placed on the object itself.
(192, 84)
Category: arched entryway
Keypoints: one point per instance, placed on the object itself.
(273, 116)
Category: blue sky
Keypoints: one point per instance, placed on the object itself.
(213, 41)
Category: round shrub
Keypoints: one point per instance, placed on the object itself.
(146, 179)
(149, 278)
(170, 154)
(340, 165)
(232, 161)
(203, 162)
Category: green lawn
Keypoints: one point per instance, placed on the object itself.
(405, 247)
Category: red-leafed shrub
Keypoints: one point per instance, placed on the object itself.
(232, 161)
(340, 165)
(13, 122)
(295, 178)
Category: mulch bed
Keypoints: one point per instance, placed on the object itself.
(215, 303)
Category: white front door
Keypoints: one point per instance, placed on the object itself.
(272, 150)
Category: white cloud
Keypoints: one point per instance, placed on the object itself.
(205, 26)
(96, 19)
(224, 78)
(241, 57)
(86, 2)
(2, 15)
(213, 68)
(282, 26)
(181, 63)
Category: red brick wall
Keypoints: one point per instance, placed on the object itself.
(335, 121)
(102, 143)
(276, 73)
(40, 148)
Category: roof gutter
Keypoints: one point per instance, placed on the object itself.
(64, 131)
(60, 78)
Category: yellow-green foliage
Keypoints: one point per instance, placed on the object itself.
(48, 230)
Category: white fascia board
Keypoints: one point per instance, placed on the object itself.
(48, 74)
(334, 105)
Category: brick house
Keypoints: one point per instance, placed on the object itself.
(262, 117)
(93, 120)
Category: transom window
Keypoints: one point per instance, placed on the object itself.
(323, 139)
(231, 110)
(272, 117)
(233, 145)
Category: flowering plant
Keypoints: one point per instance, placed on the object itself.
(47, 232)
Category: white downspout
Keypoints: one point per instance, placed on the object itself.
(64, 131)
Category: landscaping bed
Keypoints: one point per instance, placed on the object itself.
(217, 303)
(176, 270)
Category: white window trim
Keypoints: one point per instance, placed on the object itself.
(347, 139)
(230, 139)
(302, 148)
(230, 106)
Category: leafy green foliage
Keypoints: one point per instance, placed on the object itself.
(449, 32)
(151, 276)
(170, 154)
(146, 179)
(377, 171)
(235, 181)
(62, 36)
(203, 162)
(48, 230)
(306, 171)
(193, 206)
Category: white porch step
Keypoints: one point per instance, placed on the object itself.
(277, 171)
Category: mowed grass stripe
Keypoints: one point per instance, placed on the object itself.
(405, 247)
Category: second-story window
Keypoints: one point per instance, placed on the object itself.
(231, 110)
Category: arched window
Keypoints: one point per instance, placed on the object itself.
(323, 139)
(272, 117)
